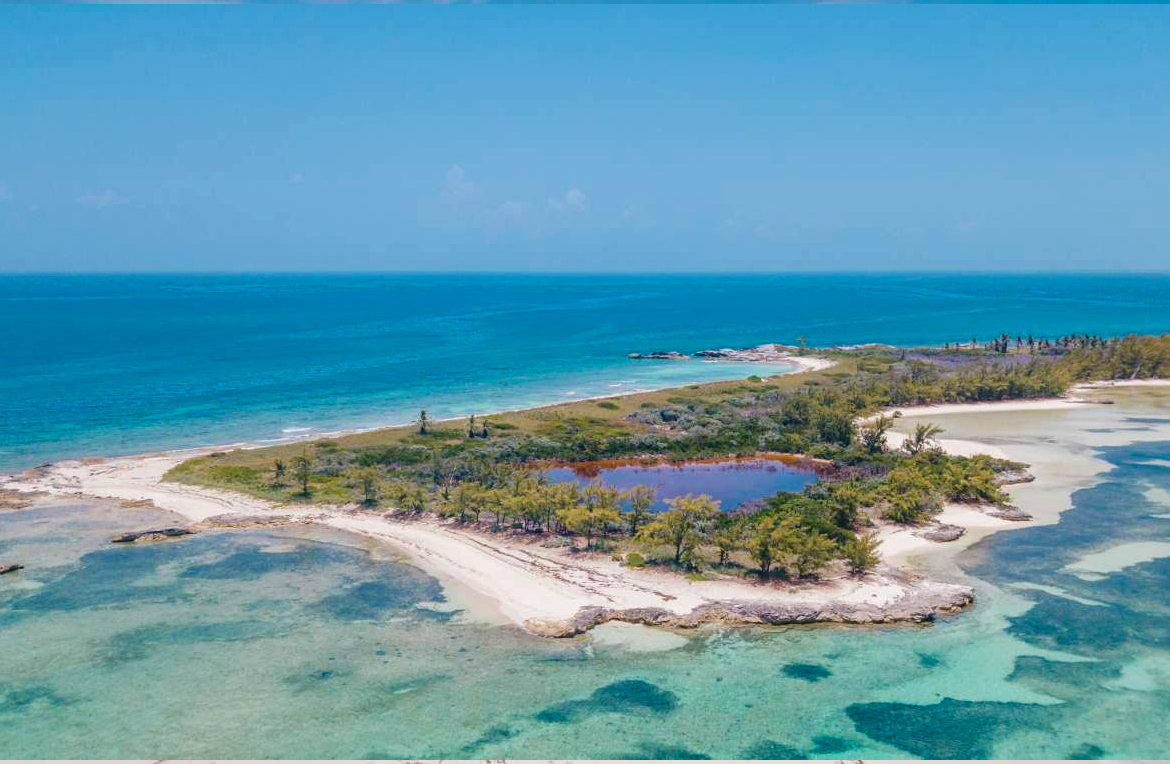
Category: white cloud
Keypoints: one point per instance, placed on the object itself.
(573, 199)
(457, 187)
(100, 200)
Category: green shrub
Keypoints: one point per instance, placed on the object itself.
(635, 560)
(608, 405)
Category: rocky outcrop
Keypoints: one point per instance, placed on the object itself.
(1008, 512)
(156, 534)
(10, 568)
(920, 604)
(16, 500)
(759, 354)
(659, 355)
(942, 533)
(1014, 477)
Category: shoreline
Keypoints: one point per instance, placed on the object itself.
(803, 364)
(551, 591)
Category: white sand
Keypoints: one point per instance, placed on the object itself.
(526, 580)
(899, 541)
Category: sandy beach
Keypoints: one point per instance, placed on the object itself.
(549, 591)
(557, 592)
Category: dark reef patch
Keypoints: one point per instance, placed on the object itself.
(496, 734)
(1086, 751)
(662, 752)
(373, 600)
(770, 749)
(251, 562)
(1058, 623)
(1062, 679)
(926, 660)
(625, 697)
(137, 644)
(809, 672)
(104, 578)
(831, 744)
(15, 700)
(950, 729)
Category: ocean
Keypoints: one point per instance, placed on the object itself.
(312, 643)
(117, 364)
(306, 643)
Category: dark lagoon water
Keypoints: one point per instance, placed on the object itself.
(315, 644)
(106, 364)
(730, 482)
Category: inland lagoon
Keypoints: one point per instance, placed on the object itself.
(305, 642)
(731, 482)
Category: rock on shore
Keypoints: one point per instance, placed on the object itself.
(156, 534)
(920, 604)
(10, 568)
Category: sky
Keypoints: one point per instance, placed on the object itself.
(584, 138)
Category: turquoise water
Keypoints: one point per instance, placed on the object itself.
(105, 364)
(312, 644)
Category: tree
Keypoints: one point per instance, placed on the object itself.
(422, 422)
(303, 469)
(683, 527)
(769, 539)
(641, 498)
(605, 499)
(367, 480)
(278, 472)
(923, 439)
(873, 434)
(810, 552)
(728, 536)
(471, 426)
(558, 499)
(862, 553)
(590, 518)
(846, 499)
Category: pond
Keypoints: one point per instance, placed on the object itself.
(729, 481)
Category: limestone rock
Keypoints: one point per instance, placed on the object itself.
(156, 534)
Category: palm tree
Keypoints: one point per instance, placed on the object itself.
(422, 422)
(923, 438)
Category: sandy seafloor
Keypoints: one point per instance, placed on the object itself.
(312, 643)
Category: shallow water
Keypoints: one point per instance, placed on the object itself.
(729, 482)
(314, 644)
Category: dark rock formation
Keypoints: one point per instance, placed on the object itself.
(659, 355)
(1014, 477)
(10, 568)
(156, 534)
(1015, 514)
(920, 604)
(942, 533)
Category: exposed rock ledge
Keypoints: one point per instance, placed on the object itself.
(155, 534)
(920, 605)
(770, 353)
(10, 568)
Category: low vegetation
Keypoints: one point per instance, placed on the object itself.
(486, 471)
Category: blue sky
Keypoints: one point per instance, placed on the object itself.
(585, 138)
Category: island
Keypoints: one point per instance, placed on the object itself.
(530, 509)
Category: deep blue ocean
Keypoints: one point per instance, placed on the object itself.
(110, 364)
